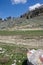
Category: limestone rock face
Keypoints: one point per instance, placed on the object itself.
(35, 56)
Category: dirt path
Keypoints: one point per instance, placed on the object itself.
(25, 29)
(18, 40)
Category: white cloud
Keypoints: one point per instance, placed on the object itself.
(34, 6)
(18, 1)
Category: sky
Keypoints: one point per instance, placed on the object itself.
(16, 8)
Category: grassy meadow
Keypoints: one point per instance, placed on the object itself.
(18, 32)
(15, 54)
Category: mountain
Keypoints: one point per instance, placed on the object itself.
(33, 13)
(30, 20)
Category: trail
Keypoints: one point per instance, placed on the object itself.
(19, 41)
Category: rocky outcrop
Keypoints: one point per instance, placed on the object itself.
(35, 57)
(33, 13)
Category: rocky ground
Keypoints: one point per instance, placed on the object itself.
(19, 40)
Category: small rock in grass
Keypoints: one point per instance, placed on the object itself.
(11, 55)
(15, 61)
(0, 49)
(19, 61)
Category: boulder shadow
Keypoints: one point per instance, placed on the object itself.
(26, 63)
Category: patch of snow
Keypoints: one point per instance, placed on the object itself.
(37, 5)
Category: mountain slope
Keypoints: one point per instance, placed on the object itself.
(33, 13)
(30, 20)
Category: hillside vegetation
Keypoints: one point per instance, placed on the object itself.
(22, 23)
(29, 33)
(29, 20)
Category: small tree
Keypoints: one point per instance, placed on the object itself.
(0, 18)
(27, 17)
(9, 17)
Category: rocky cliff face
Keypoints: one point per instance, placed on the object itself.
(33, 13)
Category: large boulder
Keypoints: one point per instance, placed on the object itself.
(35, 56)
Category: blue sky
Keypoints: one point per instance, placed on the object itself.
(15, 8)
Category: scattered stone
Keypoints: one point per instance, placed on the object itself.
(11, 55)
(1, 49)
(14, 64)
(19, 61)
(15, 61)
(7, 55)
